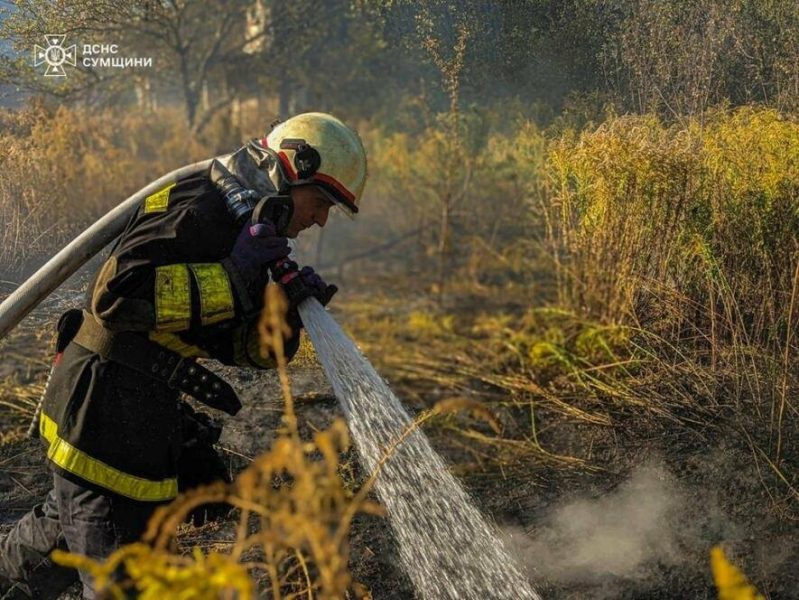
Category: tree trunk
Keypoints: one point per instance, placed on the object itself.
(145, 99)
(236, 118)
(190, 95)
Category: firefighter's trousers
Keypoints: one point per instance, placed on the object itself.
(74, 518)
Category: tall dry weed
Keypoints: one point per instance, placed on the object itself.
(705, 215)
(690, 235)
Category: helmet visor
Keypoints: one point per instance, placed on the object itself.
(347, 206)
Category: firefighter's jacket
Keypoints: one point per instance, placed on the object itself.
(108, 425)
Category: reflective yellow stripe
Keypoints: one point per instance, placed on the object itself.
(216, 296)
(69, 458)
(172, 298)
(159, 201)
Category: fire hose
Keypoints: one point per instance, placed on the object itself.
(80, 250)
(75, 254)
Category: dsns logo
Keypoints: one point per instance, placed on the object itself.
(54, 55)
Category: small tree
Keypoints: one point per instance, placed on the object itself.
(192, 44)
(454, 173)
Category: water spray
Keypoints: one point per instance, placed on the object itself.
(447, 548)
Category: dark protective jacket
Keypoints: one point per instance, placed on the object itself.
(167, 280)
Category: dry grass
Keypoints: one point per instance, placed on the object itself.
(676, 255)
(689, 236)
(63, 167)
(23, 373)
(437, 359)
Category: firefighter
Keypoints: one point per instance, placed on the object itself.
(185, 280)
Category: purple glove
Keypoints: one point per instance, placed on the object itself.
(256, 247)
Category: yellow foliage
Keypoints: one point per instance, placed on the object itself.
(601, 343)
(485, 181)
(730, 582)
(702, 213)
(425, 323)
(158, 574)
(546, 354)
(306, 354)
(62, 167)
(486, 325)
(751, 150)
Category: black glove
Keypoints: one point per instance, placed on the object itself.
(321, 290)
(301, 284)
(200, 464)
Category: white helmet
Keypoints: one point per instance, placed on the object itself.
(316, 148)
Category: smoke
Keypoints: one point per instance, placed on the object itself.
(615, 536)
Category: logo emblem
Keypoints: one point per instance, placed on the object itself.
(55, 55)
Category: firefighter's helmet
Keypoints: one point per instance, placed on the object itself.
(316, 148)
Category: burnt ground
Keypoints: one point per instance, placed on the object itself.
(637, 522)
